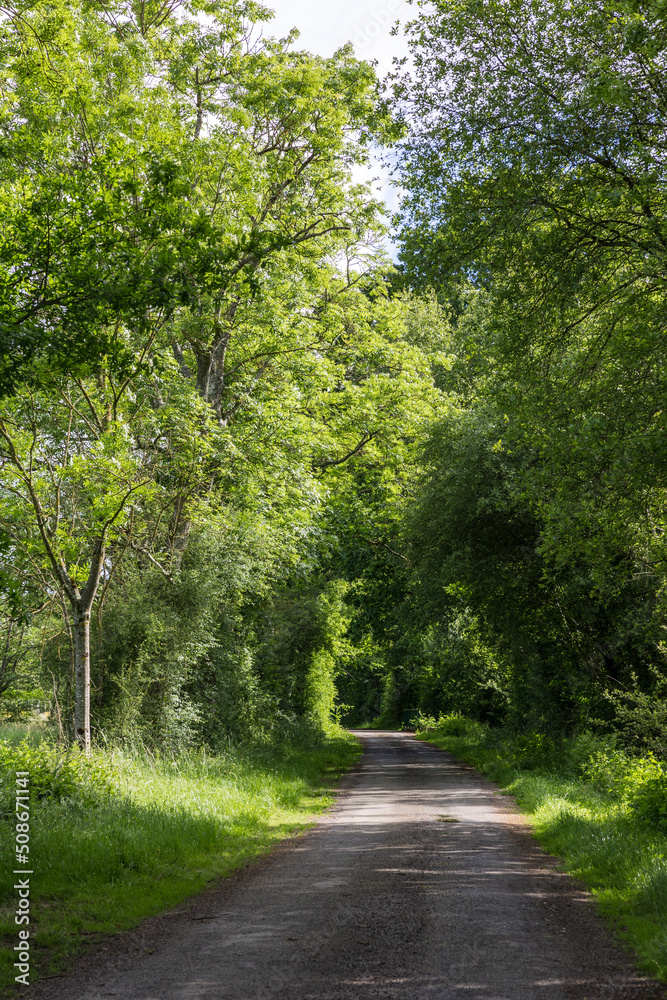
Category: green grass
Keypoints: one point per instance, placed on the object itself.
(103, 863)
(35, 733)
(583, 814)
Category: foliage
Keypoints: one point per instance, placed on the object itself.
(55, 774)
(199, 352)
(641, 716)
(650, 802)
(262, 470)
(535, 142)
(534, 184)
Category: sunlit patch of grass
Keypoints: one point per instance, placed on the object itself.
(34, 732)
(168, 827)
(600, 841)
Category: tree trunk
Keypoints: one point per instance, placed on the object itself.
(81, 621)
(81, 602)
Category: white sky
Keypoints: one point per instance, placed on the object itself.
(324, 27)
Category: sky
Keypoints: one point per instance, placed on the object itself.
(325, 26)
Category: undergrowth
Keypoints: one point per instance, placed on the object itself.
(128, 834)
(591, 803)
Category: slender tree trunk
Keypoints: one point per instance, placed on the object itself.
(81, 622)
(59, 715)
(81, 602)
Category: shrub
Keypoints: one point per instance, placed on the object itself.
(612, 770)
(54, 773)
(449, 725)
(641, 716)
(532, 750)
(650, 801)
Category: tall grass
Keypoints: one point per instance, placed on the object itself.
(107, 854)
(585, 799)
(34, 733)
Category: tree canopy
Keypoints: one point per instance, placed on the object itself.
(533, 168)
(255, 474)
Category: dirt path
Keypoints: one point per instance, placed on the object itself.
(386, 899)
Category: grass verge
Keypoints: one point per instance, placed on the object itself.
(578, 796)
(106, 855)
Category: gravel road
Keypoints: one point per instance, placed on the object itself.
(423, 883)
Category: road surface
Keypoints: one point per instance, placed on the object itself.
(422, 883)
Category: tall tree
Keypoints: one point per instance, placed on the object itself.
(535, 175)
(90, 470)
(535, 152)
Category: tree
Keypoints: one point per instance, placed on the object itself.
(384, 406)
(535, 169)
(535, 153)
(534, 166)
(91, 469)
(273, 203)
(87, 203)
(169, 184)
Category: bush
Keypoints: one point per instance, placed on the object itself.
(612, 770)
(54, 773)
(533, 750)
(641, 716)
(453, 724)
(597, 759)
(650, 801)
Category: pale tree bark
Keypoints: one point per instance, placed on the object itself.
(82, 679)
(81, 603)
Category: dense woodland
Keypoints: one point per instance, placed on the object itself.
(256, 475)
